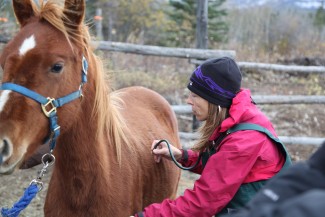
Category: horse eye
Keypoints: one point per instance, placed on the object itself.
(57, 68)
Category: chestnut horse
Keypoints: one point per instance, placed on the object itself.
(102, 139)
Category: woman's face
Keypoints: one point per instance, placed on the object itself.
(199, 106)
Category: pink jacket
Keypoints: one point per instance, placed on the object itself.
(243, 157)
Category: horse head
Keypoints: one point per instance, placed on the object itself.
(42, 63)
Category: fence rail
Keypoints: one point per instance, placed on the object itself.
(188, 53)
(275, 67)
(317, 141)
(270, 100)
(283, 68)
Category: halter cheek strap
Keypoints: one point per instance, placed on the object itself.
(50, 105)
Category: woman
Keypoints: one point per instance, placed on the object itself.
(234, 160)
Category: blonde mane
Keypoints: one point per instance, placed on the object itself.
(107, 104)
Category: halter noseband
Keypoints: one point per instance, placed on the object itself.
(49, 105)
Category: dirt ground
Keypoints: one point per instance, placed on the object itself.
(288, 120)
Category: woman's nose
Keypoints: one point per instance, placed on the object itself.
(189, 100)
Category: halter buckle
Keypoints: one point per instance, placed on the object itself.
(49, 103)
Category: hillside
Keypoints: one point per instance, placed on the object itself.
(277, 4)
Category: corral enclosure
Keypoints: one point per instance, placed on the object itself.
(169, 77)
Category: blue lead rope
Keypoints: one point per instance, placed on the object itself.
(24, 201)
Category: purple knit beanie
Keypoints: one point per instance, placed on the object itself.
(217, 81)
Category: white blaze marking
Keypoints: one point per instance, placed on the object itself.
(4, 98)
(27, 45)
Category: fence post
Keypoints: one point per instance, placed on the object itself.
(98, 23)
(201, 37)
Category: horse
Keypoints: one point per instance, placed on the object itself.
(54, 89)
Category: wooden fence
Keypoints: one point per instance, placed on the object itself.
(198, 55)
(195, 54)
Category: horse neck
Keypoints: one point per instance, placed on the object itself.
(82, 161)
(81, 148)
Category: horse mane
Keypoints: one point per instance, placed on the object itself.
(106, 109)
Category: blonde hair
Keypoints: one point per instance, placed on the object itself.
(216, 115)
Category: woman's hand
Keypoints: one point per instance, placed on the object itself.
(162, 151)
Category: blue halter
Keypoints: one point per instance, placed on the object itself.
(49, 105)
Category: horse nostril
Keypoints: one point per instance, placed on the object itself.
(4, 150)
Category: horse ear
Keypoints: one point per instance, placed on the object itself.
(23, 10)
(75, 11)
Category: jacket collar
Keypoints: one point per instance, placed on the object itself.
(241, 104)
